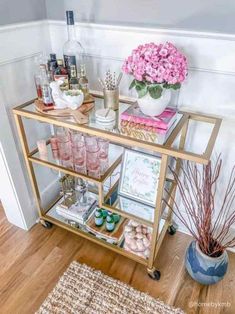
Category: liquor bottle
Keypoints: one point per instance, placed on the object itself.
(45, 87)
(83, 82)
(61, 73)
(73, 50)
(37, 80)
(52, 65)
(73, 82)
(60, 70)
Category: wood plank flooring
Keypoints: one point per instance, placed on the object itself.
(32, 262)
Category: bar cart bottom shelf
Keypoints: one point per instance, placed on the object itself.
(51, 218)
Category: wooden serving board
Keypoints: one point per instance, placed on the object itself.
(115, 235)
(79, 114)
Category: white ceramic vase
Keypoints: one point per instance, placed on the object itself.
(154, 107)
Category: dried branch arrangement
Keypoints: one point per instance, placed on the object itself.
(208, 224)
(111, 82)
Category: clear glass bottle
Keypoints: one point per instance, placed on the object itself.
(83, 82)
(60, 70)
(73, 50)
(37, 80)
(73, 82)
(45, 87)
(61, 73)
(52, 65)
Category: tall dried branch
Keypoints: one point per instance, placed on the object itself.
(209, 223)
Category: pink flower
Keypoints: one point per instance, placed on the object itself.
(163, 52)
(152, 63)
(138, 77)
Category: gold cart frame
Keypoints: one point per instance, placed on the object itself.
(166, 151)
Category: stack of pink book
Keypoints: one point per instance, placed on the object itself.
(152, 129)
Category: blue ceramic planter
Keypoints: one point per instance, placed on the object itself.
(204, 269)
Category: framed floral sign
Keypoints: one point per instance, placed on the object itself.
(138, 209)
(139, 176)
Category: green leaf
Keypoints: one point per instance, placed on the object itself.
(141, 90)
(133, 83)
(155, 91)
(173, 86)
(140, 84)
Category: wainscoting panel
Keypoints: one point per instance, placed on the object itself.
(20, 45)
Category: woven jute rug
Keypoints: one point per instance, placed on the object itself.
(83, 290)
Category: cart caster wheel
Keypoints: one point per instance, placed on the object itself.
(46, 224)
(155, 275)
(172, 230)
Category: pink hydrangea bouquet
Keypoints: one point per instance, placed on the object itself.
(155, 67)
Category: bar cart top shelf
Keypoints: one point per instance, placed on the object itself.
(28, 110)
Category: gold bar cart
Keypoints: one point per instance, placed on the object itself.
(173, 147)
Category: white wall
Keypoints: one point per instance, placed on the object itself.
(200, 15)
(209, 87)
(19, 44)
(13, 11)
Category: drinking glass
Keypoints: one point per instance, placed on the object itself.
(92, 156)
(61, 133)
(42, 149)
(64, 146)
(91, 143)
(54, 147)
(79, 158)
(93, 164)
(76, 137)
(78, 152)
(103, 154)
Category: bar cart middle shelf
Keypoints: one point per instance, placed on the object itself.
(174, 147)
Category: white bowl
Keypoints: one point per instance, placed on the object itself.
(74, 98)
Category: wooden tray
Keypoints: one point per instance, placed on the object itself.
(114, 236)
(80, 114)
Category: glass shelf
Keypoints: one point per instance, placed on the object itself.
(52, 216)
(115, 155)
(28, 110)
(133, 209)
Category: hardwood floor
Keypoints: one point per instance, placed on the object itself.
(32, 262)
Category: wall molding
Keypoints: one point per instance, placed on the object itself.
(194, 69)
(206, 51)
(150, 30)
(123, 28)
(117, 28)
(20, 59)
(15, 26)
